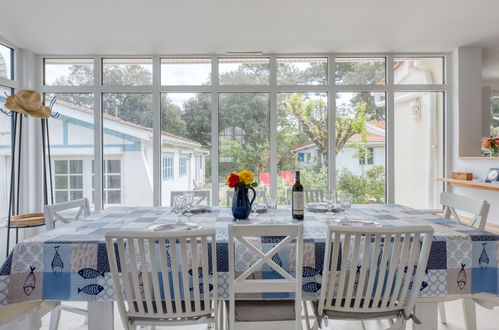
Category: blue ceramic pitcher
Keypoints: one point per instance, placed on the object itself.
(241, 205)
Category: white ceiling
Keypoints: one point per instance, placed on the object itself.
(135, 27)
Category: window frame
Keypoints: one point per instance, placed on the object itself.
(216, 88)
(68, 189)
(167, 170)
(183, 162)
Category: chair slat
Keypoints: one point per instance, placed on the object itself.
(51, 212)
(165, 276)
(394, 262)
(343, 271)
(331, 269)
(145, 276)
(372, 271)
(206, 272)
(196, 287)
(125, 274)
(155, 274)
(363, 271)
(176, 281)
(399, 274)
(135, 277)
(185, 274)
(353, 270)
(410, 267)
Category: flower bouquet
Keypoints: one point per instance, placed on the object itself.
(242, 182)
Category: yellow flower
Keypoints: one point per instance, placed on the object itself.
(246, 176)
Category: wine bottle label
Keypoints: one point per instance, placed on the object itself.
(298, 202)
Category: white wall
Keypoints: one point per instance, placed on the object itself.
(466, 115)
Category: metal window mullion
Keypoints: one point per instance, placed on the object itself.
(273, 125)
(156, 127)
(390, 133)
(331, 118)
(448, 120)
(214, 131)
(98, 136)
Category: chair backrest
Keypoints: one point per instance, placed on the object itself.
(241, 280)
(311, 195)
(200, 196)
(163, 275)
(453, 202)
(51, 212)
(374, 270)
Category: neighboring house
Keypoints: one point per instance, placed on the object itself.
(128, 159)
(308, 155)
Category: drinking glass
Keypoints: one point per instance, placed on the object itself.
(330, 197)
(346, 202)
(178, 207)
(254, 207)
(188, 200)
(270, 203)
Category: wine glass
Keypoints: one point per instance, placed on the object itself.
(188, 200)
(330, 197)
(178, 207)
(254, 207)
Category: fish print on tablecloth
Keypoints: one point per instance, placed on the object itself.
(200, 272)
(201, 288)
(88, 273)
(461, 277)
(168, 257)
(30, 282)
(312, 287)
(91, 289)
(484, 260)
(57, 263)
(310, 272)
(357, 276)
(381, 246)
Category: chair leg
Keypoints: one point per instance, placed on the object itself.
(307, 317)
(55, 317)
(469, 312)
(441, 311)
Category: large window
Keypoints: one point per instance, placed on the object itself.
(344, 121)
(6, 62)
(68, 180)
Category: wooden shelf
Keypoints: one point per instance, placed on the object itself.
(471, 184)
(479, 158)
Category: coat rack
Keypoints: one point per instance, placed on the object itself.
(15, 220)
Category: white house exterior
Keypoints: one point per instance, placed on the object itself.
(128, 157)
(348, 158)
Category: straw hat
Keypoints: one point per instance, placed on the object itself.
(28, 102)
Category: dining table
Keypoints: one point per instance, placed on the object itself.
(70, 262)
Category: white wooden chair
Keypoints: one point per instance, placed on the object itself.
(271, 314)
(164, 278)
(52, 214)
(369, 272)
(311, 195)
(480, 210)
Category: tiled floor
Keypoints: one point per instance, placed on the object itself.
(487, 320)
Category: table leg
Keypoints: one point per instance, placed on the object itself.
(469, 313)
(427, 313)
(100, 315)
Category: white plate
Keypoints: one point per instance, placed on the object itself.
(321, 207)
(172, 226)
(356, 223)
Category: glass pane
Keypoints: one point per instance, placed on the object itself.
(113, 181)
(128, 138)
(360, 127)
(127, 72)
(186, 129)
(76, 182)
(494, 104)
(243, 71)
(72, 133)
(301, 142)
(418, 70)
(68, 72)
(5, 143)
(243, 122)
(61, 196)
(185, 71)
(76, 195)
(6, 64)
(302, 71)
(418, 148)
(61, 182)
(61, 167)
(360, 71)
(113, 166)
(114, 197)
(76, 167)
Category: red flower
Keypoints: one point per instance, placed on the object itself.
(486, 144)
(233, 180)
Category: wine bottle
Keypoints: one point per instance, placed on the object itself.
(298, 203)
